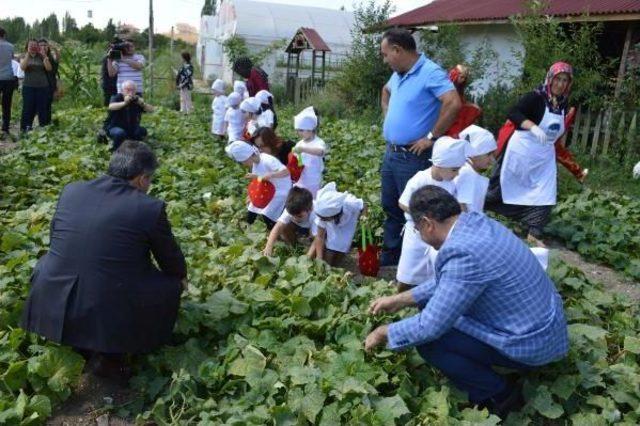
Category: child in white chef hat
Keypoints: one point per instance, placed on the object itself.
(268, 116)
(265, 167)
(234, 118)
(219, 107)
(337, 216)
(251, 109)
(417, 257)
(471, 186)
(240, 87)
(312, 148)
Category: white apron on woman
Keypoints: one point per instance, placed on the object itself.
(417, 259)
(529, 173)
(270, 164)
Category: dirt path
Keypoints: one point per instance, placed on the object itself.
(613, 280)
(90, 401)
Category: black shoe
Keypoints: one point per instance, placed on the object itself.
(506, 402)
(102, 137)
(111, 367)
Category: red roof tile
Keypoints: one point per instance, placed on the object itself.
(442, 11)
(315, 40)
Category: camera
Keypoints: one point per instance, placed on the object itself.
(115, 53)
(134, 99)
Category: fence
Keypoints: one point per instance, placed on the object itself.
(300, 88)
(605, 132)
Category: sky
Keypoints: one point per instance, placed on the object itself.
(136, 12)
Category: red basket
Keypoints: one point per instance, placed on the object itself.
(368, 255)
(295, 166)
(261, 192)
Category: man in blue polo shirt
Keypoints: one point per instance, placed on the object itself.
(419, 104)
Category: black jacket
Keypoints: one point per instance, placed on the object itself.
(97, 287)
(127, 118)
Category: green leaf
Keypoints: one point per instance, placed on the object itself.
(252, 360)
(15, 376)
(312, 402)
(565, 386)
(222, 303)
(543, 402)
(40, 405)
(632, 344)
(391, 408)
(59, 366)
(591, 332)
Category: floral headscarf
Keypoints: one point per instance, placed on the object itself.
(556, 103)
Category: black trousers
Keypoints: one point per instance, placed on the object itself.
(6, 93)
(35, 100)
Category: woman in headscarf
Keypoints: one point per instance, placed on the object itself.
(469, 112)
(523, 186)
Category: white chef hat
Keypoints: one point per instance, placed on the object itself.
(218, 86)
(239, 86)
(329, 201)
(263, 96)
(481, 141)
(251, 105)
(306, 119)
(234, 99)
(449, 152)
(542, 254)
(240, 150)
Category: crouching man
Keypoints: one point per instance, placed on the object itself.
(97, 288)
(490, 304)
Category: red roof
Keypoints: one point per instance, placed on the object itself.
(314, 39)
(444, 11)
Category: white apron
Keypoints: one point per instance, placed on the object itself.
(529, 172)
(217, 119)
(417, 262)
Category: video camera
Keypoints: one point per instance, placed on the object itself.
(116, 50)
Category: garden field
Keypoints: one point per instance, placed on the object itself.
(280, 340)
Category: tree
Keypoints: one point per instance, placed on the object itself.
(209, 8)
(69, 26)
(363, 73)
(109, 31)
(50, 27)
(89, 34)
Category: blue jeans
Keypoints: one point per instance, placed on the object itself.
(118, 135)
(468, 362)
(35, 100)
(397, 168)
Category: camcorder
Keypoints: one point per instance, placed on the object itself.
(116, 50)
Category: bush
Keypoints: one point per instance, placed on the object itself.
(363, 73)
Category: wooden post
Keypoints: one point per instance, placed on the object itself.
(150, 48)
(607, 130)
(576, 127)
(623, 61)
(171, 44)
(596, 135)
(585, 132)
(313, 67)
(620, 131)
(324, 65)
(631, 134)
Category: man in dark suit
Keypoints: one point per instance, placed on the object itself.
(97, 289)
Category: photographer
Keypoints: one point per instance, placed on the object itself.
(53, 75)
(125, 112)
(35, 88)
(126, 64)
(108, 82)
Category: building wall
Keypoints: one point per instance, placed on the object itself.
(504, 41)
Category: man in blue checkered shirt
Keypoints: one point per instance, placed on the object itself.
(490, 304)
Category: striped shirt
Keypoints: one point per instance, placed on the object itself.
(489, 285)
(126, 72)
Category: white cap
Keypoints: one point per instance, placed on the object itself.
(449, 152)
(481, 141)
(239, 86)
(251, 105)
(240, 150)
(306, 119)
(263, 96)
(234, 99)
(329, 201)
(218, 86)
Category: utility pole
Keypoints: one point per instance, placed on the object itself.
(171, 45)
(150, 48)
